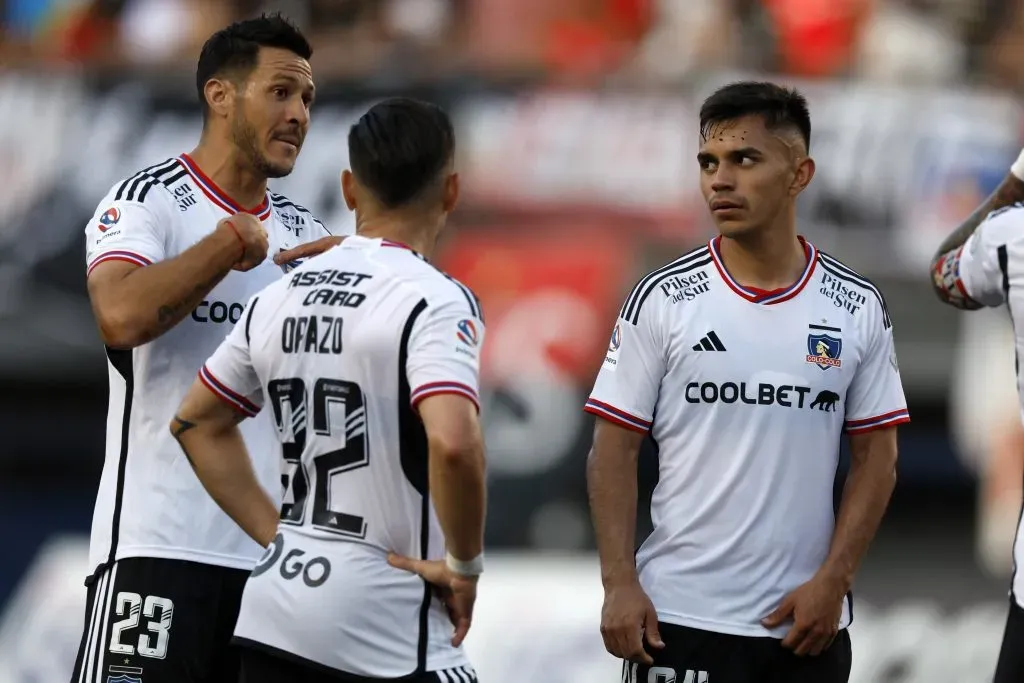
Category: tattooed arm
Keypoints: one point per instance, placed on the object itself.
(945, 263)
(206, 428)
(134, 305)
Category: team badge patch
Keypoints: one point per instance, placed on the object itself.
(467, 333)
(824, 350)
(616, 340)
(109, 219)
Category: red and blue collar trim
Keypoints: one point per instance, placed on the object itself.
(217, 195)
(759, 296)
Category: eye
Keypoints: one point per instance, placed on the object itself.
(707, 165)
(280, 92)
(747, 160)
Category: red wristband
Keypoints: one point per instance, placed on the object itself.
(239, 236)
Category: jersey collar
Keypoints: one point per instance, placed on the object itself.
(219, 196)
(760, 296)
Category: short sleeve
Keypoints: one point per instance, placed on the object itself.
(627, 385)
(977, 269)
(444, 352)
(229, 372)
(875, 399)
(123, 230)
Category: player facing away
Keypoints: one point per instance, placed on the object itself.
(174, 252)
(367, 359)
(981, 264)
(745, 360)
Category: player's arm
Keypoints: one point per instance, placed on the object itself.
(612, 491)
(456, 471)
(869, 486)
(945, 265)
(137, 294)
(623, 399)
(227, 391)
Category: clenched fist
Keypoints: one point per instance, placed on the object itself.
(249, 232)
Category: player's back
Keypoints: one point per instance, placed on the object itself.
(344, 347)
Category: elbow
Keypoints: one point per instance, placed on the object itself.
(453, 451)
(121, 330)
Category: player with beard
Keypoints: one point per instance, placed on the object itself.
(173, 253)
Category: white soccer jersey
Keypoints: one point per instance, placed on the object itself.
(989, 268)
(342, 350)
(150, 503)
(746, 395)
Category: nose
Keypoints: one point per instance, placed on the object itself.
(298, 112)
(724, 180)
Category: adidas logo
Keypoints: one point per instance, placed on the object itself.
(709, 342)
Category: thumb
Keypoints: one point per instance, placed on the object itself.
(779, 615)
(651, 632)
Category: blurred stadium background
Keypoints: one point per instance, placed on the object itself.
(577, 124)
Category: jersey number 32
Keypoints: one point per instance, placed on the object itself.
(333, 413)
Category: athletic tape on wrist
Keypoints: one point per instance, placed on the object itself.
(474, 567)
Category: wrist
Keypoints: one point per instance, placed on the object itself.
(837, 575)
(230, 241)
(620, 576)
(465, 568)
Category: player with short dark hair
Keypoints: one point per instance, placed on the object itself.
(367, 359)
(173, 253)
(744, 360)
(981, 264)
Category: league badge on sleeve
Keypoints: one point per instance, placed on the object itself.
(468, 338)
(824, 350)
(109, 219)
(467, 333)
(611, 358)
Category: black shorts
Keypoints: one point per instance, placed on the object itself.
(694, 656)
(1010, 667)
(261, 664)
(161, 621)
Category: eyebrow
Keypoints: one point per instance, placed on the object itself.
(741, 152)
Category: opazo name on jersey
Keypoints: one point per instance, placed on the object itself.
(304, 334)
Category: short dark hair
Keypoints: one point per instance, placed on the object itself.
(398, 148)
(780, 107)
(237, 48)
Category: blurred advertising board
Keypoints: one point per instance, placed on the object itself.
(536, 620)
(896, 167)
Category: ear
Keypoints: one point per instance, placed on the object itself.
(802, 177)
(450, 193)
(348, 189)
(220, 96)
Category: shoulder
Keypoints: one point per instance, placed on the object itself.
(852, 291)
(295, 214)
(439, 289)
(443, 290)
(149, 186)
(666, 281)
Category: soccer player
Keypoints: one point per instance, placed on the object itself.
(367, 359)
(745, 360)
(978, 265)
(174, 252)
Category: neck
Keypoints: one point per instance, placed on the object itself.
(769, 259)
(419, 232)
(222, 163)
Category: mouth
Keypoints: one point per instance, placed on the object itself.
(290, 140)
(724, 205)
